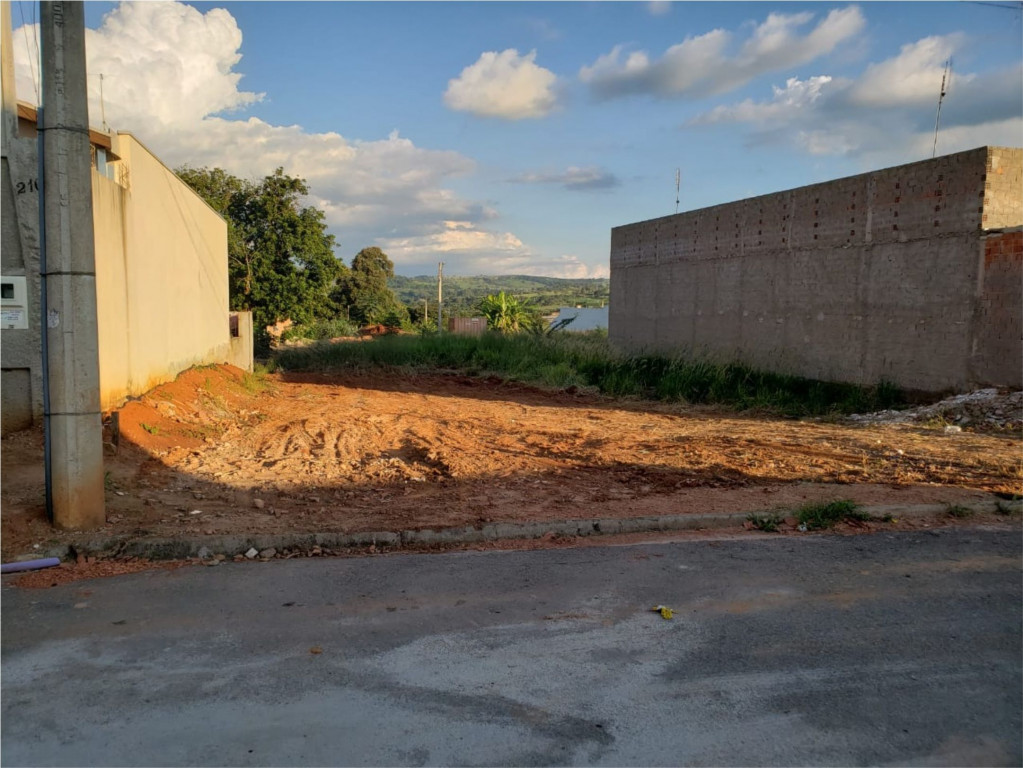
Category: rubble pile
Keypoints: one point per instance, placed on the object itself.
(983, 409)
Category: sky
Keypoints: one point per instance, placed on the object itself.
(509, 138)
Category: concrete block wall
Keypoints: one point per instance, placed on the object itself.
(876, 276)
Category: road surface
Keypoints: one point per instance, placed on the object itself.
(817, 650)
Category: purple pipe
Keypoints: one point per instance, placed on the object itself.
(30, 565)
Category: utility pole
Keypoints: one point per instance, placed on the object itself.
(68, 264)
(426, 311)
(440, 296)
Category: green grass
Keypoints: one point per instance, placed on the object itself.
(825, 514)
(766, 523)
(257, 381)
(153, 430)
(321, 330)
(588, 360)
(958, 510)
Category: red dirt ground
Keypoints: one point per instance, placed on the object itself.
(386, 451)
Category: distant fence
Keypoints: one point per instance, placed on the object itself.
(467, 326)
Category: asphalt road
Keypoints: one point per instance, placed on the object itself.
(819, 650)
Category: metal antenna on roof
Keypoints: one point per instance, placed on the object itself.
(678, 181)
(102, 104)
(946, 80)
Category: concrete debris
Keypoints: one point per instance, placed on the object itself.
(195, 512)
(984, 408)
(268, 553)
(252, 553)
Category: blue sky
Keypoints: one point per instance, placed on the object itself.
(510, 137)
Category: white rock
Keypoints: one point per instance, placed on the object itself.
(252, 553)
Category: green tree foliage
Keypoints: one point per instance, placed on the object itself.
(506, 313)
(462, 295)
(363, 292)
(281, 261)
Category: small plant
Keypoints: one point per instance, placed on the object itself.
(766, 523)
(255, 382)
(151, 429)
(108, 481)
(825, 514)
(888, 517)
(959, 511)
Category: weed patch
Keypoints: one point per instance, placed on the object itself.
(151, 429)
(822, 515)
(959, 511)
(766, 523)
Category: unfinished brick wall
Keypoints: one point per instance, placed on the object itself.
(998, 328)
(876, 276)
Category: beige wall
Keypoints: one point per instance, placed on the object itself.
(161, 276)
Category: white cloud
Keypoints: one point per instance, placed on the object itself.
(704, 65)
(169, 78)
(658, 7)
(794, 96)
(572, 178)
(482, 252)
(914, 76)
(886, 114)
(504, 85)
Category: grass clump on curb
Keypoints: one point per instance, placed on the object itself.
(589, 360)
(765, 523)
(821, 515)
(959, 511)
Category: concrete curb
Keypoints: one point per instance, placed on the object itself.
(181, 548)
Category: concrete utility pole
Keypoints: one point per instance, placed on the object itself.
(73, 412)
(440, 296)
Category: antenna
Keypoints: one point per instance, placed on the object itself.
(946, 80)
(102, 103)
(678, 181)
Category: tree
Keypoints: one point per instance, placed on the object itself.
(363, 290)
(281, 261)
(506, 313)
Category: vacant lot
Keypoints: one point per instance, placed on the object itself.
(380, 451)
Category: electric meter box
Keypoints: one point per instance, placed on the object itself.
(13, 302)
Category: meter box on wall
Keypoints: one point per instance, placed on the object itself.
(13, 302)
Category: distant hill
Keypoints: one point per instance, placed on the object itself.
(461, 294)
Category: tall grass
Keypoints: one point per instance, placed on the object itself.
(589, 360)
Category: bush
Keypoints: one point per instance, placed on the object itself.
(320, 330)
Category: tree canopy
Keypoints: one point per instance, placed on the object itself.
(281, 261)
(363, 290)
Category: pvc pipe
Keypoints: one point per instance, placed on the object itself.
(30, 565)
